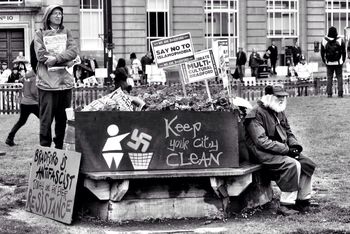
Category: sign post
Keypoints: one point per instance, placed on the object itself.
(52, 183)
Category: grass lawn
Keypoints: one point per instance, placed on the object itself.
(321, 124)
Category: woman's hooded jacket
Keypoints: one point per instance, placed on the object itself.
(58, 43)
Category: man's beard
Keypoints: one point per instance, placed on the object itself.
(274, 103)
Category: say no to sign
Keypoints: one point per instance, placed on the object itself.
(173, 50)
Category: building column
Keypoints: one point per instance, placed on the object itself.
(242, 13)
(303, 27)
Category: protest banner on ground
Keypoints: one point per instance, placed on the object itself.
(173, 50)
(52, 183)
(202, 68)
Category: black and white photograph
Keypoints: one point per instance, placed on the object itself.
(174, 116)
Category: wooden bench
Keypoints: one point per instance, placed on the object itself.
(140, 195)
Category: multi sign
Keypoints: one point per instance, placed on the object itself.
(202, 68)
(52, 183)
(115, 141)
(175, 50)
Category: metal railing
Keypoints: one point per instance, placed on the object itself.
(10, 94)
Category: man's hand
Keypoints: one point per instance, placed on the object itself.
(293, 152)
(51, 60)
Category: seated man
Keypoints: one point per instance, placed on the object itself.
(271, 142)
(302, 69)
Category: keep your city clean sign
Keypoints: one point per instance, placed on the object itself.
(174, 50)
(120, 141)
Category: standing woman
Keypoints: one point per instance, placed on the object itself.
(54, 46)
(121, 75)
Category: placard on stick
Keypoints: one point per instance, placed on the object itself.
(174, 50)
(202, 68)
(52, 183)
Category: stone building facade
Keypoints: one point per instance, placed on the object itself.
(246, 23)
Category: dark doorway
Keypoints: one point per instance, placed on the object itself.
(11, 43)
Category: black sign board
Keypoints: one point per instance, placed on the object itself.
(115, 141)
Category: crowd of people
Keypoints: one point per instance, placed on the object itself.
(14, 75)
(268, 59)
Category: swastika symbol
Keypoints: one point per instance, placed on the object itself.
(139, 139)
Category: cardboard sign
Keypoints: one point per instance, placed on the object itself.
(202, 68)
(52, 183)
(116, 141)
(173, 50)
(101, 72)
(155, 74)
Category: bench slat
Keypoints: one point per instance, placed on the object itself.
(123, 175)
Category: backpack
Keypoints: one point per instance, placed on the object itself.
(333, 50)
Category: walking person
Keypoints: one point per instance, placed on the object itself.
(147, 59)
(273, 57)
(54, 86)
(333, 55)
(5, 72)
(136, 68)
(15, 76)
(254, 62)
(120, 76)
(240, 62)
(296, 53)
(29, 105)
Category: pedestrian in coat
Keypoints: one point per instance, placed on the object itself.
(240, 62)
(254, 62)
(55, 47)
(147, 59)
(29, 105)
(296, 53)
(272, 143)
(273, 56)
(120, 76)
(333, 56)
(15, 76)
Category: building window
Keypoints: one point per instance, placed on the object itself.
(91, 25)
(11, 1)
(282, 19)
(221, 23)
(337, 14)
(157, 20)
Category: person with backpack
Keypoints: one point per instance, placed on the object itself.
(333, 55)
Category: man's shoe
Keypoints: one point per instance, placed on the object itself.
(329, 95)
(286, 210)
(303, 206)
(307, 203)
(10, 142)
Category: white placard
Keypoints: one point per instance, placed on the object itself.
(101, 72)
(173, 50)
(202, 68)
